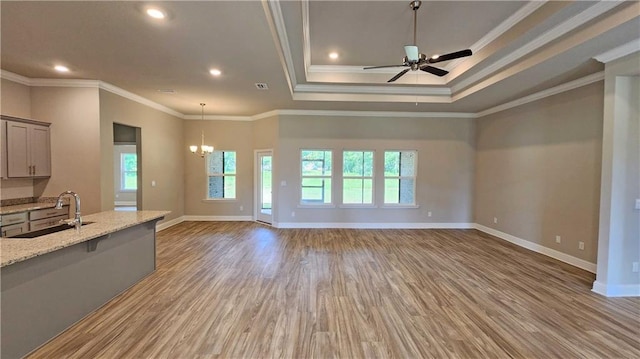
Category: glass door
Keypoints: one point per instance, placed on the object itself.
(264, 202)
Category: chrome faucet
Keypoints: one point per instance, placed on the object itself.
(77, 221)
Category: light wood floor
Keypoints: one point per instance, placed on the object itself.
(243, 290)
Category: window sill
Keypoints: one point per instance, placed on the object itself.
(399, 206)
(210, 200)
(324, 206)
(358, 206)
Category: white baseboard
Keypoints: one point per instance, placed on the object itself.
(125, 203)
(374, 225)
(620, 290)
(563, 257)
(218, 218)
(164, 225)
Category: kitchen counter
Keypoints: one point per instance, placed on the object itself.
(17, 250)
(53, 281)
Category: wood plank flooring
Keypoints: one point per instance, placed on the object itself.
(244, 290)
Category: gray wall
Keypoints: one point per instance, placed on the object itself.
(162, 146)
(538, 170)
(445, 166)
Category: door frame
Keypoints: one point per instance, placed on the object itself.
(257, 201)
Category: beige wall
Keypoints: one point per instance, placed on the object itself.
(15, 100)
(225, 136)
(162, 148)
(75, 137)
(538, 170)
(445, 166)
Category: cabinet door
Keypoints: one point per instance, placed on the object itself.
(40, 151)
(18, 158)
(3, 149)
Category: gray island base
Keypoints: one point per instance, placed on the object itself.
(45, 294)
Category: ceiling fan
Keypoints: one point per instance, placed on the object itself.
(415, 60)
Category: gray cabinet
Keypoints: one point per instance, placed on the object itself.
(3, 149)
(28, 149)
(18, 223)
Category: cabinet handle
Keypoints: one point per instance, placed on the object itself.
(34, 170)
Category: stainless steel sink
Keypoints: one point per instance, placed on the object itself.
(42, 232)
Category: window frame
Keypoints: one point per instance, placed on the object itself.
(222, 175)
(123, 172)
(302, 203)
(414, 204)
(372, 177)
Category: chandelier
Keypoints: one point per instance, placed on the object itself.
(204, 149)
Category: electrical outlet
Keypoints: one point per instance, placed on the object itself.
(638, 203)
(241, 208)
(293, 213)
(634, 267)
(558, 239)
(495, 219)
(581, 246)
(429, 214)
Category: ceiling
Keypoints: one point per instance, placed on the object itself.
(520, 47)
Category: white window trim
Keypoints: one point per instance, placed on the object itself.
(414, 177)
(372, 178)
(303, 204)
(208, 175)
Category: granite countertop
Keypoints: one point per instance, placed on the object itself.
(20, 249)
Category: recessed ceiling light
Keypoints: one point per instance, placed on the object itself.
(156, 13)
(333, 55)
(61, 68)
(215, 72)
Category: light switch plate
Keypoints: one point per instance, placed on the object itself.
(638, 203)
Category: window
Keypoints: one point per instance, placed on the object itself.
(357, 177)
(128, 171)
(400, 177)
(221, 174)
(316, 177)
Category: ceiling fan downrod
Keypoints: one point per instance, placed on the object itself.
(415, 5)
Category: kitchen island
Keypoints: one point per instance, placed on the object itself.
(50, 282)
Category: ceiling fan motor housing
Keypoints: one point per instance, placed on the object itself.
(415, 5)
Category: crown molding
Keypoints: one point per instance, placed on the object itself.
(542, 40)
(139, 99)
(39, 82)
(499, 30)
(10, 76)
(618, 52)
(273, 13)
(395, 114)
(13, 77)
(598, 76)
(382, 90)
(217, 118)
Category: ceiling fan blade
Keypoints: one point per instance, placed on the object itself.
(381, 67)
(434, 70)
(399, 75)
(412, 52)
(451, 56)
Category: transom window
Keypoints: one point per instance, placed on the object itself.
(221, 175)
(315, 176)
(400, 177)
(357, 177)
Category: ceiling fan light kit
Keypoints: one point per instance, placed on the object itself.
(415, 60)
